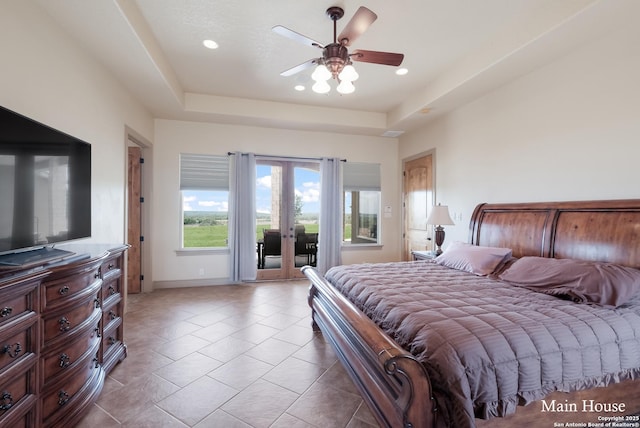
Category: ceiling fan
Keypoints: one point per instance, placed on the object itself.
(336, 61)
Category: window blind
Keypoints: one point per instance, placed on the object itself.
(204, 172)
(359, 176)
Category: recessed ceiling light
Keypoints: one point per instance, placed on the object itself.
(210, 44)
(401, 71)
(299, 87)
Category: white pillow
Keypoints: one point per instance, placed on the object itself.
(472, 258)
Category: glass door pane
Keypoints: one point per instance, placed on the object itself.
(305, 213)
(269, 221)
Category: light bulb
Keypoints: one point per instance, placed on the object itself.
(348, 73)
(321, 73)
(321, 87)
(346, 87)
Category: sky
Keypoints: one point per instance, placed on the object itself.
(306, 184)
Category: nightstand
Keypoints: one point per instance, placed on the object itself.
(423, 255)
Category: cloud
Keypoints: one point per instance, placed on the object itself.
(310, 192)
(264, 181)
(216, 205)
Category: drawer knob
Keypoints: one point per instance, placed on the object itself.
(96, 363)
(96, 302)
(112, 315)
(96, 275)
(6, 311)
(65, 361)
(111, 340)
(6, 401)
(112, 290)
(63, 290)
(65, 325)
(111, 266)
(63, 397)
(11, 350)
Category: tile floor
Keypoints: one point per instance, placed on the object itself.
(227, 356)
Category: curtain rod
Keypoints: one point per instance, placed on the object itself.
(286, 157)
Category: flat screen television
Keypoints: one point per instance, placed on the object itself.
(45, 186)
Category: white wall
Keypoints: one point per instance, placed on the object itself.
(175, 137)
(45, 75)
(567, 131)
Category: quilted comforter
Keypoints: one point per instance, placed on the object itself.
(489, 346)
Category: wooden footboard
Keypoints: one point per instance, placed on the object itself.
(392, 382)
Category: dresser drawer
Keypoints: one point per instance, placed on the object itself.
(64, 323)
(57, 291)
(60, 362)
(18, 342)
(111, 268)
(111, 315)
(16, 391)
(19, 420)
(18, 297)
(112, 338)
(80, 383)
(110, 291)
(13, 307)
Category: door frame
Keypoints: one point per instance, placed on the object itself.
(288, 269)
(406, 252)
(133, 138)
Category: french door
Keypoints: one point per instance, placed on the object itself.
(287, 204)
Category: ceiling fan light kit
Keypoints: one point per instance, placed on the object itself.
(321, 87)
(336, 61)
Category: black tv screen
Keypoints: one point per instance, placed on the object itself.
(45, 185)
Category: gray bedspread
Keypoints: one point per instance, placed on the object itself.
(489, 346)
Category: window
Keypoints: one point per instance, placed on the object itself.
(204, 189)
(361, 185)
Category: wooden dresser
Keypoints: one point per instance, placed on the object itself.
(61, 332)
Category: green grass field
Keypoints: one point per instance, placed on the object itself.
(203, 236)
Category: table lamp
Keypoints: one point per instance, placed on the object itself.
(439, 216)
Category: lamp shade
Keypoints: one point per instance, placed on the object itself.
(440, 215)
(321, 87)
(348, 73)
(346, 87)
(321, 73)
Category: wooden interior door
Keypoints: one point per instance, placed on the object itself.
(134, 232)
(418, 199)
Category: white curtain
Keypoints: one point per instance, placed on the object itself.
(242, 217)
(330, 233)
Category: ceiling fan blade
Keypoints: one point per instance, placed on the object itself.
(298, 68)
(376, 57)
(359, 23)
(284, 31)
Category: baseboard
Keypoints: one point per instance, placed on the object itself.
(186, 283)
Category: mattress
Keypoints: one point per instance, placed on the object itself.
(489, 346)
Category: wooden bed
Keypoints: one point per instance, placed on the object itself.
(391, 380)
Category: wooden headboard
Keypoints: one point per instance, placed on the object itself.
(607, 231)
